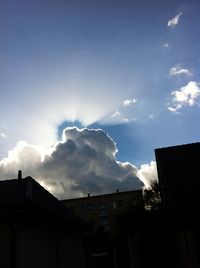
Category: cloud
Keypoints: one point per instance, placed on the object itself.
(123, 115)
(148, 173)
(129, 102)
(151, 116)
(117, 117)
(3, 135)
(116, 114)
(177, 70)
(185, 96)
(175, 109)
(174, 21)
(166, 45)
(83, 162)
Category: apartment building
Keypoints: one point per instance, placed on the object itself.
(106, 245)
(102, 210)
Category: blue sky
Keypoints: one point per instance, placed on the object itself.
(130, 68)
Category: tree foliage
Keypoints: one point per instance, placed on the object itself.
(151, 196)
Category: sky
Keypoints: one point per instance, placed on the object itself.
(89, 89)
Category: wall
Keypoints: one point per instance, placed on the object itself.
(39, 244)
(5, 245)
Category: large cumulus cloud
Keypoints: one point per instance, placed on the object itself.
(83, 162)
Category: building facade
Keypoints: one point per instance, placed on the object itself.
(103, 210)
(107, 244)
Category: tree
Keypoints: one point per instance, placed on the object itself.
(151, 196)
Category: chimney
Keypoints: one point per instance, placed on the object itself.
(19, 174)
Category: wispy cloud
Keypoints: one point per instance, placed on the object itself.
(116, 114)
(3, 135)
(118, 117)
(177, 70)
(151, 116)
(174, 21)
(124, 113)
(129, 102)
(166, 45)
(185, 96)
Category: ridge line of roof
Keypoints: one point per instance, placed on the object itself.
(178, 145)
(96, 196)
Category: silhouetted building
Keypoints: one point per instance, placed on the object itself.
(178, 174)
(108, 245)
(36, 230)
(101, 210)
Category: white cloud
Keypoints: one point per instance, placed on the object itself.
(116, 118)
(116, 114)
(122, 115)
(129, 102)
(185, 96)
(148, 173)
(166, 45)
(151, 116)
(3, 135)
(83, 162)
(177, 70)
(174, 21)
(175, 109)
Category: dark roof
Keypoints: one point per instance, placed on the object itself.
(27, 194)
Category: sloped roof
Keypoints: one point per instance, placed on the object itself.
(19, 194)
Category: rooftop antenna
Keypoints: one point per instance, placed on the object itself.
(19, 174)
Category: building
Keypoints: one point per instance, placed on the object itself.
(178, 174)
(36, 230)
(107, 244)
(103, 210)
(169, 236)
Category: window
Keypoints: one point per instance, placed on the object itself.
(82, 208)
(120, 203)
(104, 222)
(103, 205)
(86, 208)
(114, 205)
(103, 213)
(89, 207)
